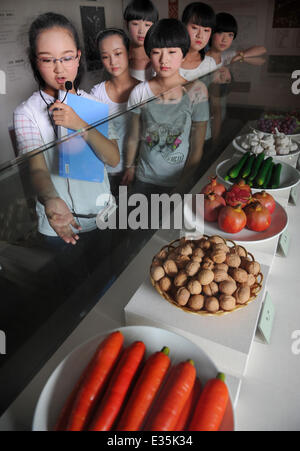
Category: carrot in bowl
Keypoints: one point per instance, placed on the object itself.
(111, 404)
(174, 395)
(91, 384)
(189, 407)
(211, 406)
(144, 392)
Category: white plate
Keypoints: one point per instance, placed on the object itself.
(278, 226)
(239, 139)
(253, 126)
(289, 178)
(65, 376)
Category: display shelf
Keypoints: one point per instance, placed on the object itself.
(251, 393)
(227, 339)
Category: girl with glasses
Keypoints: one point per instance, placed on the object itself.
(55, 58)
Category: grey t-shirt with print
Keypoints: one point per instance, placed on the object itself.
(165, 137)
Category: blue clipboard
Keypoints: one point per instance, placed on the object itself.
(77, 159)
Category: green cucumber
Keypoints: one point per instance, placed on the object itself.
(268, 176)
(256, 167)
(247, 168)
(260, 179)
(275, 181)
(227, 176)
(235, 171)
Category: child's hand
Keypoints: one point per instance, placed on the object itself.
(128, 176)
(238, 57)
(65, 116)
(61, 219)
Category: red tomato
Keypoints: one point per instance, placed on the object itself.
(258, 217)
(232, 220)
(266, 200)
(212, 206)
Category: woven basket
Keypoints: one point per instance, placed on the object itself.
(255, 289)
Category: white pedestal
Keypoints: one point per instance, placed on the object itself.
(227, 339)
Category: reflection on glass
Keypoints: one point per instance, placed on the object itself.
(169, 138)
(166, 137)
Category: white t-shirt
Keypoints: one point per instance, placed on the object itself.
(141, 93)
(165, 134)
(206, 66)
(226, 57)
(142, 75)
(80, 196)
(120, 123)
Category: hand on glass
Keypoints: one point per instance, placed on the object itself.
(255, 60)
(61, 220)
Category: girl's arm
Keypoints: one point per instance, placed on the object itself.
(197, 139)
(256, 50)
(133, 139)
(107, 150)
(58, 213)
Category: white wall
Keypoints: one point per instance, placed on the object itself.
(15, 19)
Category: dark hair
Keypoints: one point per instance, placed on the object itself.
(167, 33)
(112, 32)
(46, 22)
(141, 10)
(226, 23)
(199, 14)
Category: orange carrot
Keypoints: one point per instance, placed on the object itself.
(111, 404)
(94, 380)
(211, 406)
(144, 392)
(173, 398)
(188, 410)
(63, 419)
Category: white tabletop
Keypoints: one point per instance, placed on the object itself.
(269, 396)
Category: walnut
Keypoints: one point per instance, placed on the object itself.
(170, 268)
(157, 273)
(192, 268)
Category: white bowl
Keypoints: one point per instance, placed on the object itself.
(65, 376)
(237, 144)
(289, 178)
(278, 226)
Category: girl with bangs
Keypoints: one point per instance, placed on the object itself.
(139, 16)
(225, 33)
(166, 136)
(200, 21)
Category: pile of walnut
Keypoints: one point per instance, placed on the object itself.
(205, 275)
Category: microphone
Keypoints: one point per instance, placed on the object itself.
(68, 86)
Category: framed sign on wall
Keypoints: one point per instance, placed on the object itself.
(93, 21)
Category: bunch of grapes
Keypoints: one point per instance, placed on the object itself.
(284, 124)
